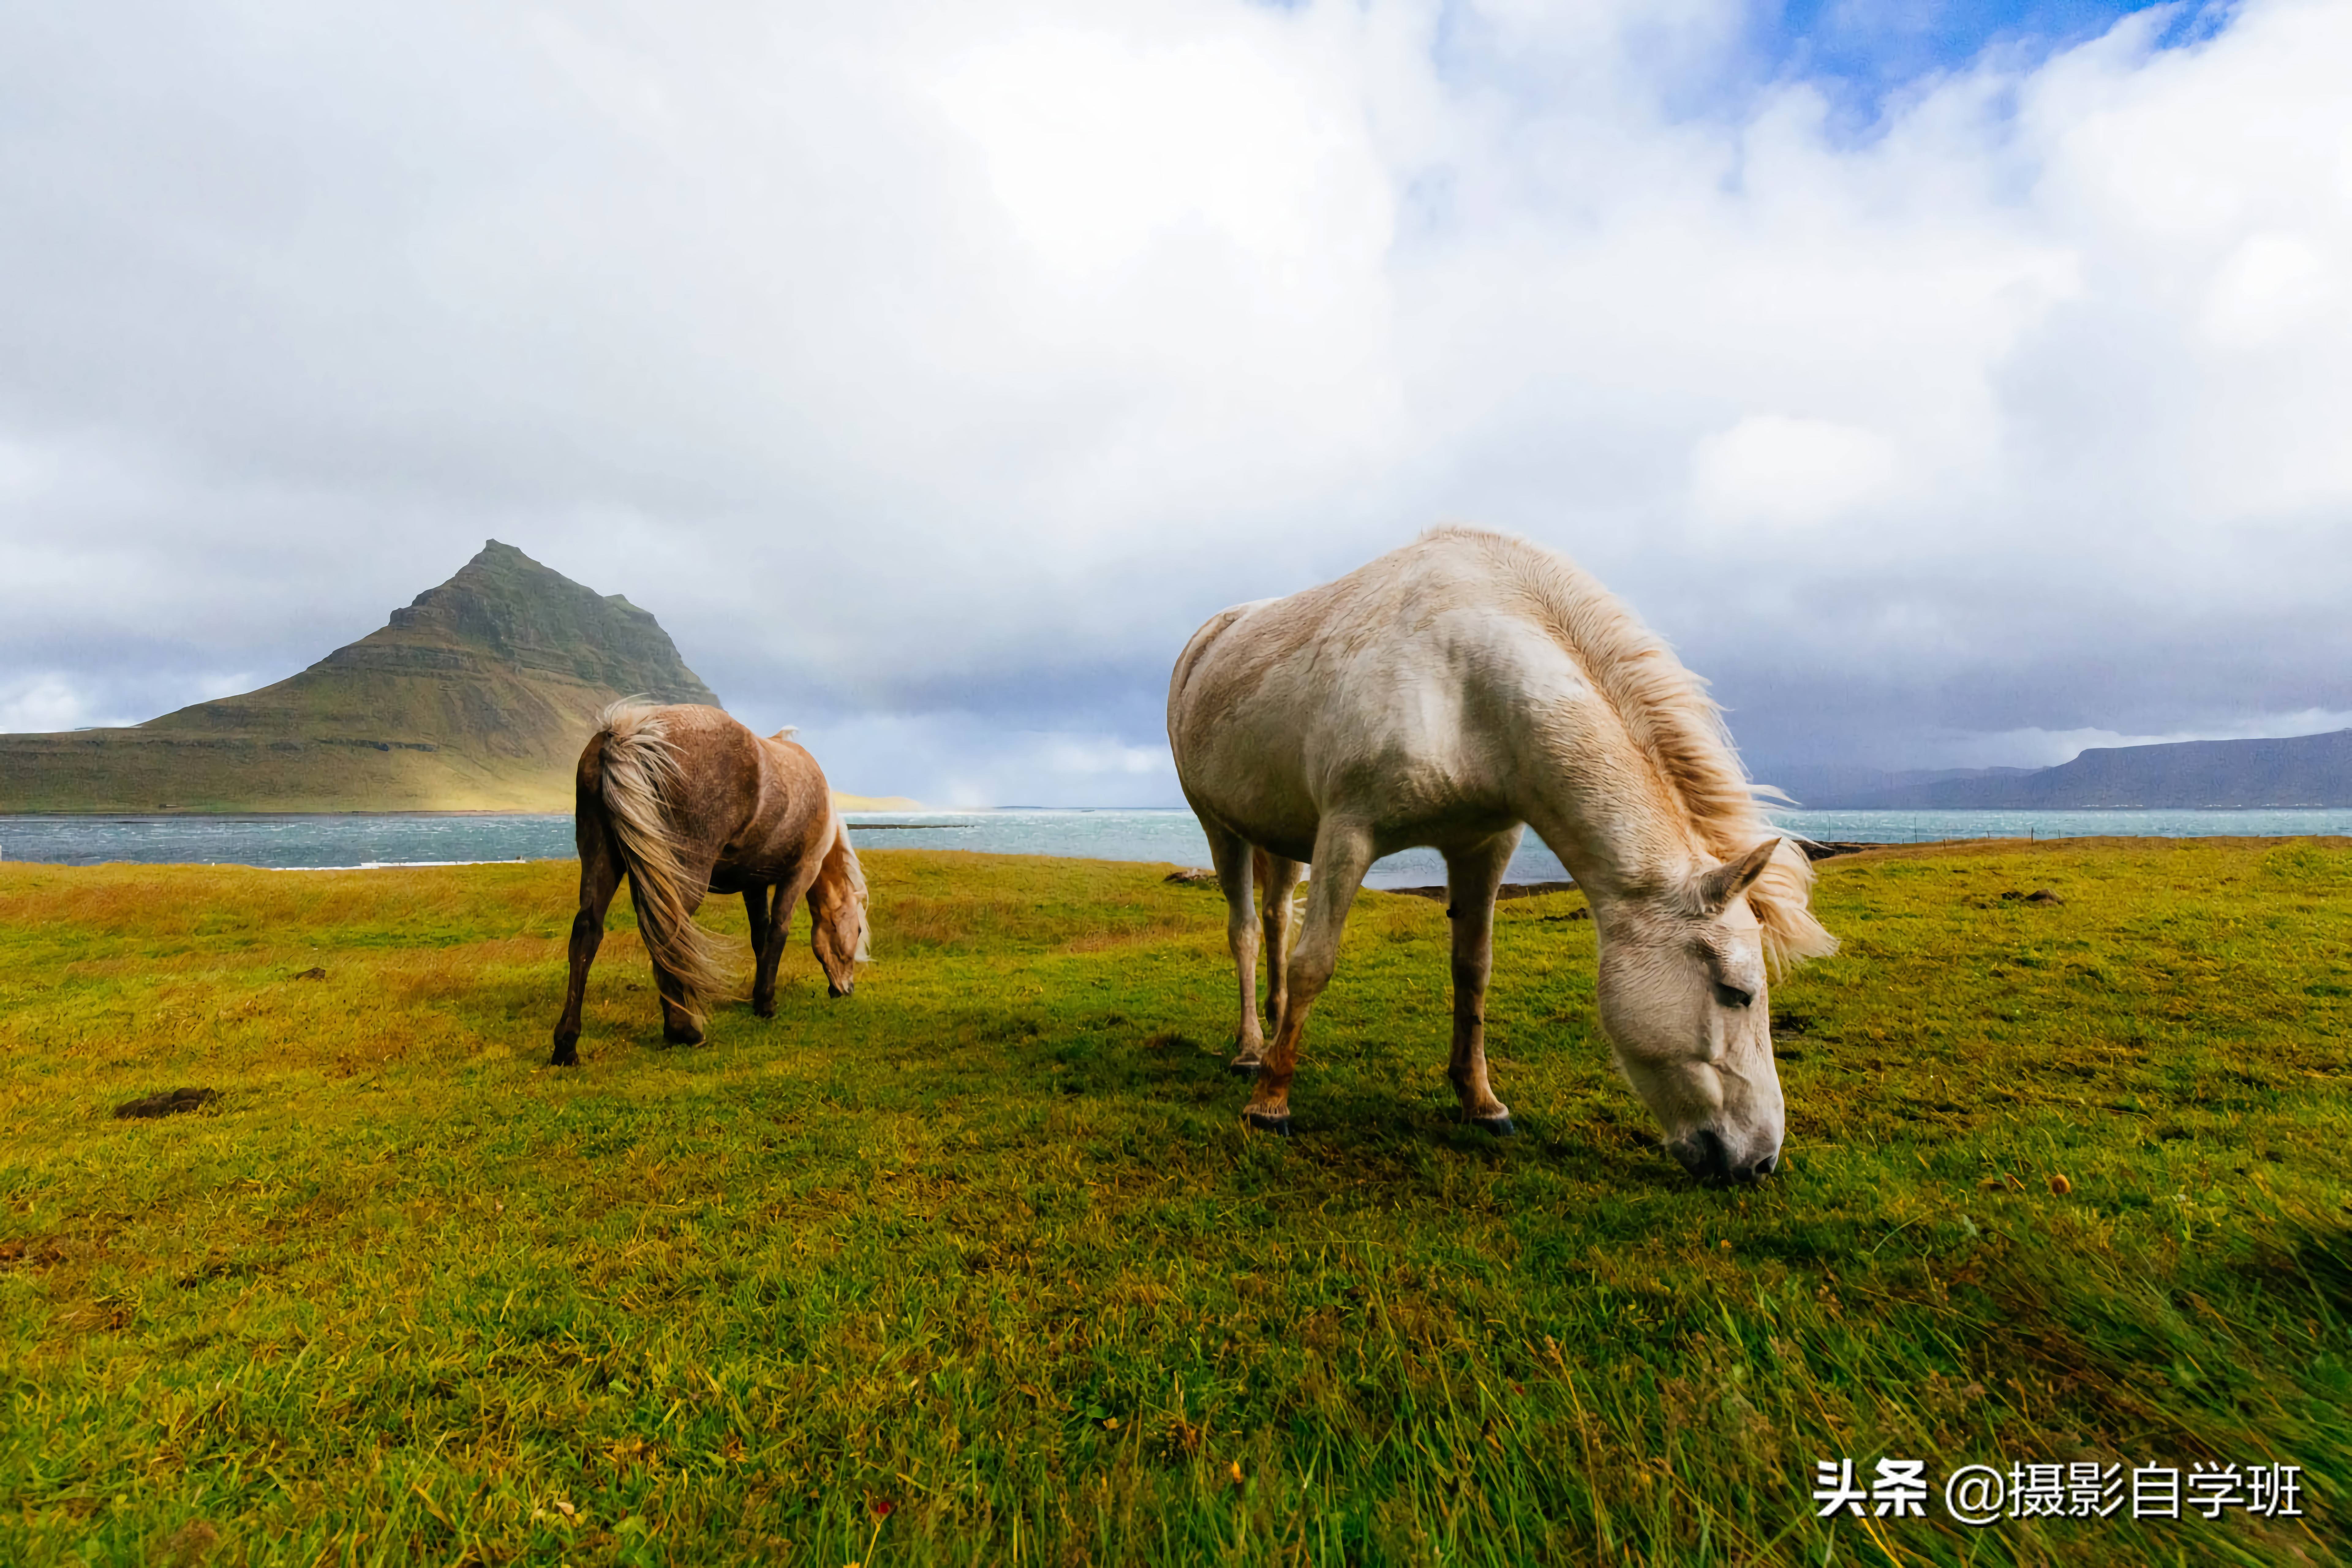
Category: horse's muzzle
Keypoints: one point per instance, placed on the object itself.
(1706, 1155)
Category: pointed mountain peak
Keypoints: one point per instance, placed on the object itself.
(533, 617)
(478, 697)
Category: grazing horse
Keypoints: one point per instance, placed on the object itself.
(683, 801)
(1448, 694)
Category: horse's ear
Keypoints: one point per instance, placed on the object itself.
(786, 733)
(1728, 880)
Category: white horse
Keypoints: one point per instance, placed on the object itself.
(1446, 694)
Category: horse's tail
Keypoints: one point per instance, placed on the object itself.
(640, 776)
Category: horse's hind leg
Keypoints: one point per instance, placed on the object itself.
(1231, 857)
(1343, 852)
(1472, 878)
(1277, 879)
(681, 1022)
(599, 877)
(681, 1025)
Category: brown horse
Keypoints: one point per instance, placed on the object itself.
(683, 801)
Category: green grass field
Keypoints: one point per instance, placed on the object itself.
(979, 1266)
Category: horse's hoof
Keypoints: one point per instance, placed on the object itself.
(1499, 1126)
(1278, 1125)
(683, 1036)
(1246, 1067)
(564, 1057)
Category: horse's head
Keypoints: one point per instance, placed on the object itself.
(837, 903)
(1683, 1000)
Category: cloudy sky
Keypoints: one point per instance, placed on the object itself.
(1953, 383)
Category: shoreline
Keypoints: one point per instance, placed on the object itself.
(1196, 874)
(175, 814)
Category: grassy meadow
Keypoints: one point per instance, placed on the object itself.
(979, 1266)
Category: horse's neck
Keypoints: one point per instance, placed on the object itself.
(1616, 833)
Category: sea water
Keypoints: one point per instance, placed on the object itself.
(1167, 837)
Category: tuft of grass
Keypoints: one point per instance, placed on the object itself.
(978, 1265)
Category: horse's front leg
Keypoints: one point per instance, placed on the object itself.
(755, 910)
(777, 931)
(757, 901)
(1472, 878)
(1343, 852)
(600, 877)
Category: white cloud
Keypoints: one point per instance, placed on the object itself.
(1775, 469)
(44, 702)
(954, 761)
(65, 700)
(2270, 285)
(931, 370)
(1100, 147)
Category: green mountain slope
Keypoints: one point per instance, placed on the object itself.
(478, 697)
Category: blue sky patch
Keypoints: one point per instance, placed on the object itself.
(1861, 53)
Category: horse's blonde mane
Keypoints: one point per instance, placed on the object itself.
(1673, 722)
(854, 875)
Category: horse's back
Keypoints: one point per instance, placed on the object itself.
(1404, 689)
(711, 779)
(1448, 602)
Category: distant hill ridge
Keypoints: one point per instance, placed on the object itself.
(2301, 771)
(477, 697)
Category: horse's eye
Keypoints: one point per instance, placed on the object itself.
(1732, 995)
